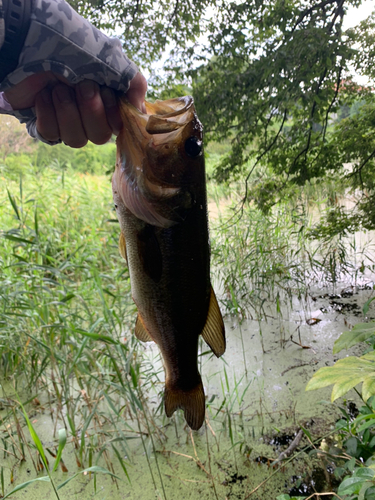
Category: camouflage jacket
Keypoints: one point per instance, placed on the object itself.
(1, 24)
(61, 41)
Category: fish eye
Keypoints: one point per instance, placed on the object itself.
(193, 146)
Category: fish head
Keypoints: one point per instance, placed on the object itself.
(160, 162)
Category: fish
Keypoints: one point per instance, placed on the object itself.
(159, 192)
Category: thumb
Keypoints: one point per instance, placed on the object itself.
(137, 92)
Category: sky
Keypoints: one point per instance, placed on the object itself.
(355, 15)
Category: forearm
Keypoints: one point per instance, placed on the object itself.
(2, 26)
(16, 19)
(57, 49)
(53, 37)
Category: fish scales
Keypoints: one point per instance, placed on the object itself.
(159, 191)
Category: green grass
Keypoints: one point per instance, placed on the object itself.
(66, 313)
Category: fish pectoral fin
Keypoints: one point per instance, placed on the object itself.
(191, 401)
(122, 246)
(140, 331)
(213, 332)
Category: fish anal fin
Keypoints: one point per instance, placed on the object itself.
(122, 246)
(213, 332)
(191, 401)
(140, 331)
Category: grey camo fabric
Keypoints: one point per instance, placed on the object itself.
(1, 24)
(61, 41)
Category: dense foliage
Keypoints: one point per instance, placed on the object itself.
(274, 78)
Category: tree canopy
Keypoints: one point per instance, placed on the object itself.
(276, 78)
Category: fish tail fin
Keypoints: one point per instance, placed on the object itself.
(192, 401)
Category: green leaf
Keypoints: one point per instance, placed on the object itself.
(78, 355)
(367, 421)
(2, 480)
(359, 333)
(68, 297)
(365, 487)
(36, 223)
(345, 375)
(14, 204)
(24, 485)
(62, 443)
(351, 446)
(39, 446)
(351, 485)
(13, 237)
(86, 424)
(122, 463)
(343, 387)
(368, 387)
(365, 472)
(307, 433)
(366, 305)
(96, 336)
(94, 468)
(370, 356)
(35, 437)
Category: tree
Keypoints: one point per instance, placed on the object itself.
(270, 76)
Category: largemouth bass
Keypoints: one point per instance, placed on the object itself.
(159, 191)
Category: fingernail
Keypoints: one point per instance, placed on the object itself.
(108, 97)
(64, 94)
(87, 89)
(46, 96)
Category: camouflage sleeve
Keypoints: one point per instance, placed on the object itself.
(2, 28)
(61, 41)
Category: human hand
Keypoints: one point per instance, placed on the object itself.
(74, 113)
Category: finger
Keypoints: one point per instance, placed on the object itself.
(46, 120)
(93, 113)
(137, 92)
(71, 128)
(23, 94)
(111, 108)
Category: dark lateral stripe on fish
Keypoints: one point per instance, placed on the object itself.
(214, 331)
(192, 402)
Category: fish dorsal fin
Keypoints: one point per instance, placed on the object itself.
(214, 331)
(140, 331)
(122, 247)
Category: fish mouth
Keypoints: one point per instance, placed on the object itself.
(168, 116)
(161, 117)
(154, 154)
